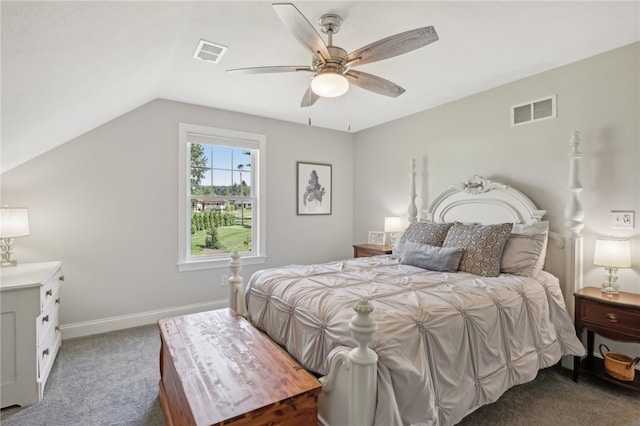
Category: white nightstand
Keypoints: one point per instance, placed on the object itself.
(30, 329)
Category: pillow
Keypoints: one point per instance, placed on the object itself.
(431, 233)
(442, 259)
(483, 246)
(526, 249)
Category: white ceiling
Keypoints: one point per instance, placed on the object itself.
(68, 67)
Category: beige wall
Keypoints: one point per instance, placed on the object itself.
(106, 205)
(598, 96)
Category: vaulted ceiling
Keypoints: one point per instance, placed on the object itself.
(68, 67)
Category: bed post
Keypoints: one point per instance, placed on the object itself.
(412, 211)
(364, 361)
(350, 390)
(236, 291)
(574, 222)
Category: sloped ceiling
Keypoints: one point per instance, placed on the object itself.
(68, 67)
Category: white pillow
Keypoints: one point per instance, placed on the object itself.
(526, 249)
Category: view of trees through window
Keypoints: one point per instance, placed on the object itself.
(222, 199)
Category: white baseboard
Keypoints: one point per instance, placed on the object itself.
(87, 328)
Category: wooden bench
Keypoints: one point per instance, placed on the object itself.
(217, 369)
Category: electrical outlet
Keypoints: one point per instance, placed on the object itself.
(622, 219)
(225, 280)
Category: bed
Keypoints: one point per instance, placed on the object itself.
(459, 313)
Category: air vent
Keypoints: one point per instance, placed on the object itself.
(210, 52)
(536, 110)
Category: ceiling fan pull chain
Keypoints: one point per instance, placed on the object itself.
(310, 104)
(349, 110)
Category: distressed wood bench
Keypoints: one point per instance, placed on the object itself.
(217, 369)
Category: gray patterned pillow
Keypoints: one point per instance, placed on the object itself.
(483, 246)
(431, 233)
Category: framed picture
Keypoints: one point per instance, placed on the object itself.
(376, 237)
(313, 191)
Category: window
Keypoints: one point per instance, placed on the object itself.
(220, 197)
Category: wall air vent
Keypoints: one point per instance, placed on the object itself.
(536, 110)
(210, 52)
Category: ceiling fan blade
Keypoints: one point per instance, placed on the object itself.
(267, 70)
(393, 46)
(374, 84)
(309, 98)
(302, 29)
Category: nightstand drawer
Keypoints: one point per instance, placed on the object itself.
(612, 317)
(368, 250)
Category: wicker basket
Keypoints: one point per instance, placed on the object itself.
(619, 365)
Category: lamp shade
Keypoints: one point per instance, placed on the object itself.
(329, 84)
(392, 224)
(612, 253)
(14, 222)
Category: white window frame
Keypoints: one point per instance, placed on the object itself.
(189, 133)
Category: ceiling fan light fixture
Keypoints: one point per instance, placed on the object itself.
(329, 84)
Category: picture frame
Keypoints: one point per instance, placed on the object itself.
(313, 188)
(377, 237)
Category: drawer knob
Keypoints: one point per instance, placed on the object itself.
(57, 328)
(611, 317)
(45, 352)
(45, 318)
(49, 292)
(61, 278)
(58, 300)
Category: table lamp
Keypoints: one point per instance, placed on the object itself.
(392, 225)
(612, 254)
(14, 222)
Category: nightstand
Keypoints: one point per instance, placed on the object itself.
(615, 317)
(368, 250)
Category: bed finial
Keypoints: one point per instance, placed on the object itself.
(574, 216)
(413, 209)
(574, 213)
(236, 291)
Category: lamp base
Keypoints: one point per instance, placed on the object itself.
(6, 253)
(610, 285)
(610, 289)
(8, 263)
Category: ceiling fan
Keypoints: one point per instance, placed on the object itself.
(332, 65)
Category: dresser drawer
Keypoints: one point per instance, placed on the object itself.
(49, 290)
(612, 317)
(47, 350)
(47, 320)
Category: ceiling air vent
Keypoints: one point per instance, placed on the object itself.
(210, 52)
(536, 110)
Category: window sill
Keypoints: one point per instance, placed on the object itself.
(198, 265)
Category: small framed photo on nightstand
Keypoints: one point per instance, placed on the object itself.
(376, 237)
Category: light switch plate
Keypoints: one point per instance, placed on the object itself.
(623, 219)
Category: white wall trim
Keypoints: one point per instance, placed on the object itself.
(80, 329)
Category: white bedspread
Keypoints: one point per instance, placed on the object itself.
(447, 343)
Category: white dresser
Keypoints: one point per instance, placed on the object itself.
(31, 335)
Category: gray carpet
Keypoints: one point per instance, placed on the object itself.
(112, 379)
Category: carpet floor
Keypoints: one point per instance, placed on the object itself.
(112, 379)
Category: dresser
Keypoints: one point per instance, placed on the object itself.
(30, 330)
